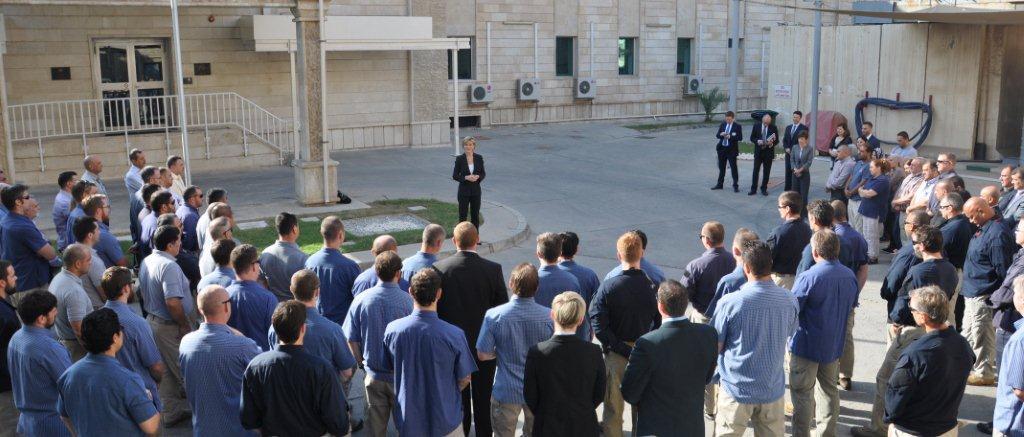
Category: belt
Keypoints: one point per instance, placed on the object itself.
(159, 320)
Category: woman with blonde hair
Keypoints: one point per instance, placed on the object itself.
(469, 173)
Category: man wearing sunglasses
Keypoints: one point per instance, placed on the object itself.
(23, 243)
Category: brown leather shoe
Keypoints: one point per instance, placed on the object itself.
(981, 381)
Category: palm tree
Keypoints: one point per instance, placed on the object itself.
(710, 100)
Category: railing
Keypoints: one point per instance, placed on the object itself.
(149, 114)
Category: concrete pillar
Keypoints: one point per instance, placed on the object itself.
(310, 171)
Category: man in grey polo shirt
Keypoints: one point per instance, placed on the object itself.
(281, 260)
(72, 302)
(165, 293)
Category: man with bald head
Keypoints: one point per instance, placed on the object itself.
(989, 255)
(213, 359)
(471, 285)
(991, 195)
(368, 278)
(72, 301)
(93, 167)
(337, 273)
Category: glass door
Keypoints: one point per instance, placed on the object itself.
(132, 83)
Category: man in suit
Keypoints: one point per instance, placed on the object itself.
(669, 368)
(789, 140)
(729, 135)
(764, 136)
(472, 285)
(564, 377)
(868, 131)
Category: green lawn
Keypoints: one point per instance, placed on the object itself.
(650, 127)
(442, 213)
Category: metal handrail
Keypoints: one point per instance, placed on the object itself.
(125, 115)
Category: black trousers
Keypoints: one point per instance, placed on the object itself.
(762, 159)
(802, 185)
(837, 194)
(470, 204)
(478, 395)
(789, 172)
(727, 156)
(892, 226)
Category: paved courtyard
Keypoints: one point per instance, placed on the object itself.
(599, 180)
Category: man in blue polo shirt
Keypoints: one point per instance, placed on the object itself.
(507, 334)
(223, 275)
(23, 243)
(36, 360)
(189, 215)
(369, 315)
(553, 280)
(368, 278)
(587, 278)
(861, 174)
(735, 279)
(433, 240)
(989, 255)
(213, 359)
(754, 325)
(62, 205)
(337, 272)
(98, 394)
(432, 364)
(826, 294)
(107, 247)
(251, 304)
(138, 352)
(324, 338)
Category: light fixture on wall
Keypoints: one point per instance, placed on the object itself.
(211, 18)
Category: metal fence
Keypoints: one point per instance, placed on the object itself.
(39, 122)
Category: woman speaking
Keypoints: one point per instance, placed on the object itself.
(469, 172)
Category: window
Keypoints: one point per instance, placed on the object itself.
(465, 61)
(683, 60)
(739, 58)
(564, 55)
(627, 56)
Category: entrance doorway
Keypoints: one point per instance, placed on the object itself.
(132, 82)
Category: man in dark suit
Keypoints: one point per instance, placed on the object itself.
(564, 380)
(868, 131)
(729, 135)
(669, 368)
(471, 285)
(764, 136)
(789, 140)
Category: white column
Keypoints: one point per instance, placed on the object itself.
(455, 96)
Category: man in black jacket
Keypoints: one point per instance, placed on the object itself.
(764, 136)
(669, 368)
(727, 144)
(564, 380)
(789, 140)
(471, 285)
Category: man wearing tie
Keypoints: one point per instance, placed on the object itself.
(729, 135)
(788, 141)
(764, 137)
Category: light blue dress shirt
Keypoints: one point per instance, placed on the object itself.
(754, 325)
(368, 278)
(826, 293)
(213, 359)
(1008, 418)
(369, 315)
(100, 395)
(415, 263)
(139, 352)
(36, 360)
(160, 278)
(324, 339)
(509, 331)
(61, 210)
(587, 278)
(251, 309)
(337, 274)
(222, 276)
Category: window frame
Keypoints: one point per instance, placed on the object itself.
(470, 63)
(687, 64)
(630, 64)
(572, 56)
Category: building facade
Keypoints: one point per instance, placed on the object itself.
(95, 77)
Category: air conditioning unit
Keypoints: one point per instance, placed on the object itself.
(692, 84)
(528, 89)
(481, 93)
(586, 88)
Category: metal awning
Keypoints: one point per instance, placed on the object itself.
(276, 33)
(941, 14)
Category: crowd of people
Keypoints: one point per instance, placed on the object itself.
(243, 341)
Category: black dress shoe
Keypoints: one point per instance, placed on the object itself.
(889, 250)
(716, 187)
(764, 191)
(752, 192)
(735, 189)
(985, 427)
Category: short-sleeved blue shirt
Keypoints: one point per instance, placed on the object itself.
(160, 278)
(337, 274)
(139, 351)
(36, 360)
(108, 247)
(189, 217)
(368, 278)
(429, 356)
(587, 278)
(826, 293)
(222, 276)
(509, 331)
(99, 395)
(415, 263)
(213, 359)
(21, 240)
(555, 281)
(251, 309)
(989, 255)
(1008, 418)
(876, 207)
(324, 339)
(754, 325)
(369, 315)
(69, 225)
(861, 171)
(728, 284)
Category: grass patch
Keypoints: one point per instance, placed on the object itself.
(651, 127)
(443, 213)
